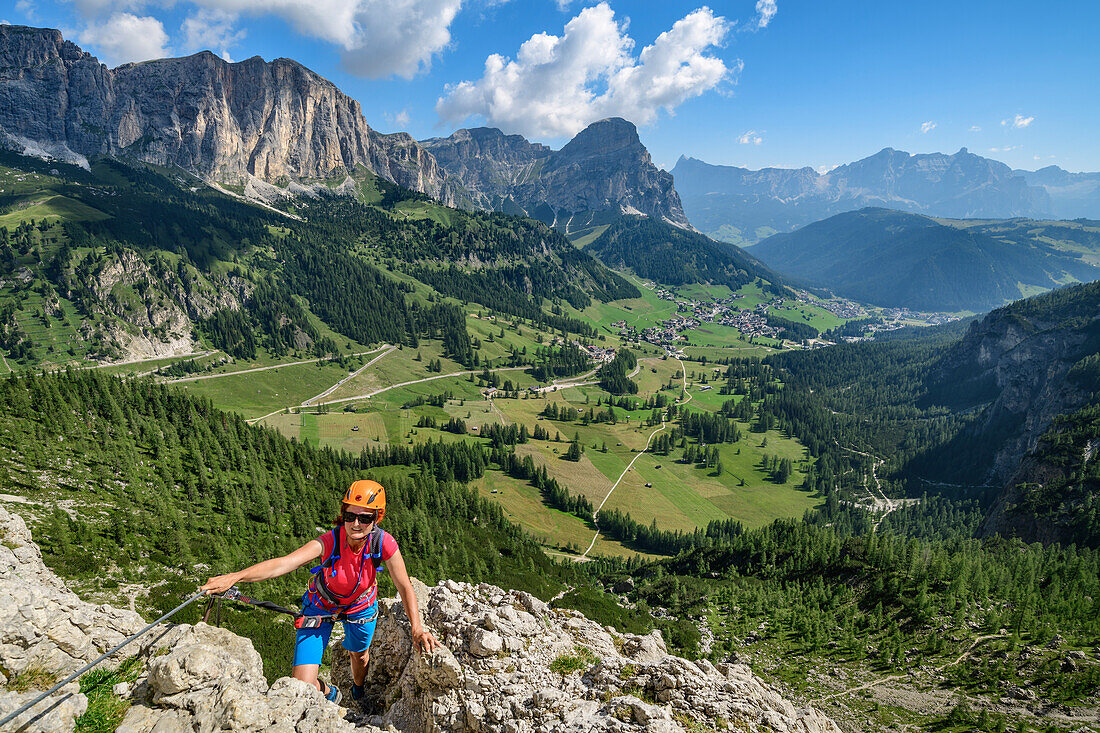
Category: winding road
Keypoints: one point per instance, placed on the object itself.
(262, 369)
(394, 386)
(881, 502)
(353, 375)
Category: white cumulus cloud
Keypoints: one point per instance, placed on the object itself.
(211, 29)
(926, 127)
(557, 85)
(376, 38)
(1005, 149)
(1017, 122)
(752, 137)
(124, 37)
(975, 128)
(765, 11)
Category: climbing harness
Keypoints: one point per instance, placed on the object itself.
(85, 668)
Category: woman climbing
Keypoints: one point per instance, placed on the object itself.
(344, 587)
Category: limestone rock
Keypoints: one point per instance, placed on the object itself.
(276, 121)
(604, 170)
(57, 712)
(495, 674)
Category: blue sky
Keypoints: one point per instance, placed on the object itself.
(752, 83)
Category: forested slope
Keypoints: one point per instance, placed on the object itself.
(124, 261)
(137, 483)
(673, 256)
(956, 413)
(898, 259)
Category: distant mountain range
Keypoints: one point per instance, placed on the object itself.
(744, 206)
(893, 258)
(1072, 195)
(602, 173)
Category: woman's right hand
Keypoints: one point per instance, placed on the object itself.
(220, 583)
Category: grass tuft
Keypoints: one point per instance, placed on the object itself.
(568, 663)
(106, 709)
(32, 678)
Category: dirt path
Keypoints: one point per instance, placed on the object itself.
(895, 677)
(354, 374)
(261, 369)
(880, 501)
(566, 384)
(596, 514)
(685, 396)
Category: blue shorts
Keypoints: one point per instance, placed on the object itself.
(310, 645)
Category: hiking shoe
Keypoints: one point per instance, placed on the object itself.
(331, 692)
(356, 692)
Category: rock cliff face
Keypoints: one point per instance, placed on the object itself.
(603, 172)
(1014, 366)
(510, 664)
(1020, 363)
(275, 121)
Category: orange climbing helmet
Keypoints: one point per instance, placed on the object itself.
(368, 495)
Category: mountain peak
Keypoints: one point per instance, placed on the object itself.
(603, 137)
(602, 172)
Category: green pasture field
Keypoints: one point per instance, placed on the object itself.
(814, 315)
(641, 313)
(585, 237)
(742, 350)
(51, 207)
(553, 528)
(258, 393)
(423, 210)
(682, 497)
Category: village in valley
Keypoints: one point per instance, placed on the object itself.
(753, 322)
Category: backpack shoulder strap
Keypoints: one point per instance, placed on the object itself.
(375, 548)
(334, 555)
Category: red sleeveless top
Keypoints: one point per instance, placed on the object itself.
(353, 572)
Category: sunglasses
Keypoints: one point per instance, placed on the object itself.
(353, 517)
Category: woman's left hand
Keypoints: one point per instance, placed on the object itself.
(424, 641)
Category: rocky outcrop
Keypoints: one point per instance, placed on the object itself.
(603, 172)
(46, 631)
(195, 677)
(230, 122)
(203, 678)
(1014, 363)
(509, 663)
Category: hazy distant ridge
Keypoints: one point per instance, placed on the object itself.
(743, 206)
